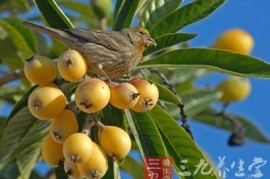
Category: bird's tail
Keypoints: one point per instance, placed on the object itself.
(57, 33)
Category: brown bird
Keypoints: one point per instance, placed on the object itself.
(108, 53)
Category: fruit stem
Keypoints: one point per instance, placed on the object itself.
(29, 59)
(89, 123)
(72, 107)
(100, 125)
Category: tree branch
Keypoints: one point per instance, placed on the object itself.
(19, 73)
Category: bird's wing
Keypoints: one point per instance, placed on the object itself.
(112, 40)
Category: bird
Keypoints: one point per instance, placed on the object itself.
(108, 53)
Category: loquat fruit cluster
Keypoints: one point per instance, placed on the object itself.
(65, 145)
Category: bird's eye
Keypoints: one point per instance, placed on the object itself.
(141, 32)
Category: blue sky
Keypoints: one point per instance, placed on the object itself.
(252, 16)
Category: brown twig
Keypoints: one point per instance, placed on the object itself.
(238, 131)
(171, 87)
(19, 73)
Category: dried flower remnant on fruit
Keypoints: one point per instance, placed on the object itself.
(86, 104)
(40, 70)
(69, 62)
(133, 95)
(57, 135)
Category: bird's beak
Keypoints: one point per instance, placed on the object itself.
(151, 41)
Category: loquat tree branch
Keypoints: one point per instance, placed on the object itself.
(238, 130)
(19, 73)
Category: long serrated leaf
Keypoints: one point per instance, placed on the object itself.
(17, 38)
(156, 11)
(113, 116)
(21, 142)
(218, 60)
(126, 14)
(14, 132)
(22, 103)
(197, 101)
(113, 170)
(146, 134)
(169, 40)
(184, 74)
(28, 152)
(252, 131)
(81, 7)
(133, 167)
(181, 146)
(117, 8)
(9, 54)
(28, 34)
(186, 15)
(53, 15)
(10, 171)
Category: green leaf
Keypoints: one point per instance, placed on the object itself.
(252, 132)
(113, 116)
(156, 11)
(22, 103)
(181, 75)
(166, 94)
(83, 9)
(53, 14)
(28, 34)
(179, 144)
(13, 133)
(168, 40)
(10, 171)
(10, 55)
(125, 14)
(17, 39)
(18, 6)
(60, 173)
(184, 16)
(117, 8)
(197, 101)
(21, 140)
(2, 123)
(28, 152)
(133, 167)
(218, 60)
(146, 134)
(113, 170)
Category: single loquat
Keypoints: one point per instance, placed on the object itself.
(123, 95)
(71, 65)
(92, 95)
(46, 102)
(148, 94)
(234, 89)
(40, 70)
(236, 40)
(63, 126)
(114, 141)
(52, 152)
(78, 148)
(96, 166)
